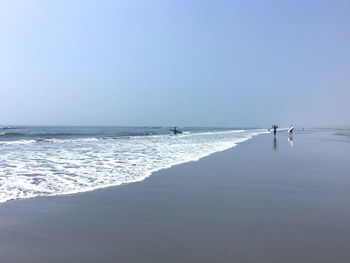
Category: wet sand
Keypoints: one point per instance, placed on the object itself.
(343, 133)
(266, 200)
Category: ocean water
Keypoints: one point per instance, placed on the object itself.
(39, 161)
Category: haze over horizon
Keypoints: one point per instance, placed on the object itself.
(185, 63)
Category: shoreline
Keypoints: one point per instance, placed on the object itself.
(342, 133)
(261, 201)
(140, 179)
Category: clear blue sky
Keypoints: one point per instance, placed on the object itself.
(207, 63)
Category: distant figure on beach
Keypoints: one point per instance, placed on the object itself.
(176, 131)
(274, 127)
(291, 128)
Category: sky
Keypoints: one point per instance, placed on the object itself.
(184, 63)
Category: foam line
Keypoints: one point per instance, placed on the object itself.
(32, 168)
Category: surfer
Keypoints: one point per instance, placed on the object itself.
(291, 128)
(274, 128)
(176, 131)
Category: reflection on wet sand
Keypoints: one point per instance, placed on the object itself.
(290, 139)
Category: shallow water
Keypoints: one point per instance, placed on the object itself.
(37, 161)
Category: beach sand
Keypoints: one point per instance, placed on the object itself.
(262, 201)
(343, 133)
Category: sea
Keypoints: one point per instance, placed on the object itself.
(56, 160)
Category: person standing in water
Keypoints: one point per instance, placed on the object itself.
(175, 131)
(274, 129)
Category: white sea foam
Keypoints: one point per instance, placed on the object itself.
(31, 168)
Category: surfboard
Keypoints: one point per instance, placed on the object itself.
(177, 131)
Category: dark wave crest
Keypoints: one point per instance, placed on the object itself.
(45, 135)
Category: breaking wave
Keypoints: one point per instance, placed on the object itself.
(54, 166)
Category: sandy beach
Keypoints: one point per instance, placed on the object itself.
(342, 133)
(266, 200)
